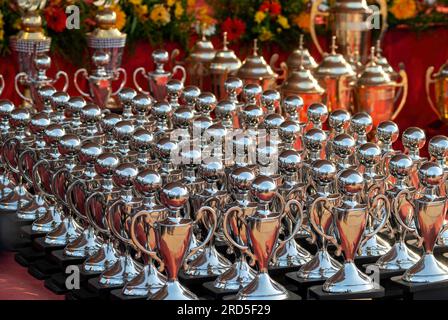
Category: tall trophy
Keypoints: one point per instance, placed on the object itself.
(29, 41)
(352, 21)
(440, 81)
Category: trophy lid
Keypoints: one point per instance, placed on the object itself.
(206, 103)
(400, 166)
(430, 174)
(89, 151)
(69, 144)
(339, 119)
(438, 147)
(290, 160)
(350, 182)
(165, 148)
(123, 130)
(225, 108)
(225, 60)
(252, 115)
(182, 117)
(31, 28)
(301, 80)
(382, 61)
(125, 174)
(201, 123)
(413, 138)
(148, 182)
(109, 121)
(443, 71)
(203, 51)
(263, 188)
(20, 117)
(91, 113)
(317, 113)
(333, 64)
(343, 145)
(106, 163)
(39, 122)
(300, 57)
(241, 178)
(53, 133)
(142, 138)
(323, 171)
(361, 123)
(162, 110)
(126, 95)
(374, 74)
(190, 94)
(6, 107)
(270, 99)
(46, 92)
(142, 103)
(59, 99)
(369, 154)
(255, 67)
(273, 121)
(212, 170)
(289, 130)
(106, 20)
(292, 104)
(351, 6)
(387, 132)
(314, 139)
(76, 104)
(174, 195)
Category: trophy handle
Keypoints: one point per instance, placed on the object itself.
(429, 80)
(174, 54)
(6, 159)
(182, 70)
(111, 224)
(396, 209)
(313, 214)
(315, 12)
(21, 166)
(211, 231)
(63, 74)
(134, 77)
(37, 178)
(282, 204)
(272, 62)
(75, 81)
(404, 84)
(53, 185)
(17, 79)
(137, 243)
(123, 80)
(2, 84)
(284, 76)
(383, 11)
(371, 208)
(89, 213)
(298, 224)
(70, 201)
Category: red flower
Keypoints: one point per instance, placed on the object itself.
(56, 18)
(265, 6)
(276, 8)
(235, 28)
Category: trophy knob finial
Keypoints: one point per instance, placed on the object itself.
(251, 92)
(142, 103)
(46, 92)
(289, 130)
(142, 139)
(400, 166)
(89, 152)
(438, 147)
(76, 104)
(323, 171)
(292, 104)
(252, 115)
(160, 56)
(106, 163)
(387, 132)
(343, 145)
(148, 182)
(216, 132)
(241, 178)
(39, 122)
(124, 130)
(109, 121)
(225, 109)
(265, 152)
(289, 161)
(263, 189)
(165, 148)
(190, 95)
(69, 144)
(201, 123)
(125, 175)
(314, 139)
(182, 117)
(42, 62)
(233, 85)
(162, 110)
(20, 118)
(100, 59)
(53, 133)
(126, 95)
(413, 138)
(91, 113)
(273, 121)
(6, 107)
(339, 120)
(369, 154)
(206, 103)
(174, 87)
(211, 170)
(174, 195)
(317, 113)
(361, 123)
(350, 182)
(430, 174)
(271, 99)
(191, 156)
(59, 99)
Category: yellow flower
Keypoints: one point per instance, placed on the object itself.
(135, 2)
(170, 3)
(404, 9)
(265, 34)
(191, 3)
(160, 15)
(141, 11)
(259, 16)
(303, 21)
(121, 17)
(2, 35)
(178, 10)
(283, 22)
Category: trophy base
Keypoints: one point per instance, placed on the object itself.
(42, 269)
(20, 198)
(374, 247)
(319, 293)
(208, 263)
(67, 231)
(118, 294)
(427, 270)
(392, 290)
(399, 257)
(56, 283)
(263, 288)
(292, 255)
(218, 293)
(302, 284)
(87, 244)
(321, 267)
(27, 232)
(173, 290)
(290, 296)
(81, 294)
(41, 245)
(63, 261)
(28, 255)
(123, 270)
(422, 291)
(147, 282)
(195, 280)
(33, 211)
(48, 222)
(236, 277)
(349, 279)
(102, 260)
(101, 290)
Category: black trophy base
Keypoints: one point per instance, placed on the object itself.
(28, 255)
(63, 261)
(118, 295)
(56, 283)
(86, 275)
(360, 261)
(422, 291)
(302, 284)
(42, 269)
(291, 296)
(217, 293)
(39, 244)
(103, 291)
(26, 232)
(392, 290)
(81, 294)
(318, 293)
(194, 280)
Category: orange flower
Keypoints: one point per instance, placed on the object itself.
(303, 21)
(121, 17)
(404, 9)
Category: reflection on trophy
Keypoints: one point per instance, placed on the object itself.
(100, 80)
(159, 78)
(352, 21)
(440, 81)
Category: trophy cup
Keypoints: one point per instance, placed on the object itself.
(399, 257)
(439, 79)
(428, 214)
(173, 237)
(6, 180)
(322, 266)
(375, 92)
(42, 63)
(262, 231)
(159, 78)
(224, 64)
(349, 221)
(337, 77)
(29, 41)
(351, 22)
(100, 80)
(314, 141)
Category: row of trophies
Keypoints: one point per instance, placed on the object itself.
(156, 189)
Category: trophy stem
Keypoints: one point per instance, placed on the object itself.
(34, 210)
(263, 288)
(173, 290)
(427, 270)
(321, 267)
(105, 257)
(48, 222)
(148, 281)
(87, 244)
(348, 279)
(239, 275)
(398, 257)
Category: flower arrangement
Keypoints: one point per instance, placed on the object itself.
(418, 14)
